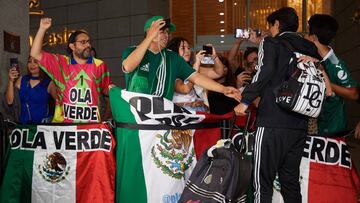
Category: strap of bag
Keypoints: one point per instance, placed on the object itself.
(288, 45)
(243, 147)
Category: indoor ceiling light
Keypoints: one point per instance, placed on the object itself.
(221, 14)
(221, 42)
(221, 0)
(222, 30)
(222, 22)
(222, 35)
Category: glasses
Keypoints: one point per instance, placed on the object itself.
(83, 42)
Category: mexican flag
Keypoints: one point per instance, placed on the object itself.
(60, 164)
(159, 145)
(327, 173)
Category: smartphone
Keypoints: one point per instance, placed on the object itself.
(242, 33)
(167, 24)
(14, 63)
(207, 49)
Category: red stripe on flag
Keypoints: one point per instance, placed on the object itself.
(95, 174)
(332, 183)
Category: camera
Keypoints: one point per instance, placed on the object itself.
(207, 49)
(167, 24)
(207, 58)
(242, 33)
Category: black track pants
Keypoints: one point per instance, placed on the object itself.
(279, 151)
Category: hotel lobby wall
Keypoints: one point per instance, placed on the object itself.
(113, 25)
(14, 20)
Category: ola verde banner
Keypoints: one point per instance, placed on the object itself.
(159, 145)
(60, 164)
(327, 173)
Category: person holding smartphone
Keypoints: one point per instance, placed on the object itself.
(252, 36)
(188, 95)
(33, 91)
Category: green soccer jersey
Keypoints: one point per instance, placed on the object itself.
(156, 73)
(333, 117)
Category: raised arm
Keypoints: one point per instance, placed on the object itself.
(45, 24)
(134, 59)
(13, 76)
(234, 61)
(218, 70)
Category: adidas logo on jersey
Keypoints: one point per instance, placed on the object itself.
(145, 67)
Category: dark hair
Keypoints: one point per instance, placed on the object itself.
(230, 78)
(324, 27)
(175, 42)
(287, 17)
(250, 50)
(72, 39)
(42, 74)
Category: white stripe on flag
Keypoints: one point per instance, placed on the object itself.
(63, 190)
(170, 187)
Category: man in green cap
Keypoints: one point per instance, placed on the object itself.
(151, 69)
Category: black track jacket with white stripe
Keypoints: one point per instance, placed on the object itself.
(272, 69)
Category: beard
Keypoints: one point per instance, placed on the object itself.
(83, 54)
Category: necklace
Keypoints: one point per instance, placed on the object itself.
(34, 77)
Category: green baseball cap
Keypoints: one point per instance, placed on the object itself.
(147, 25)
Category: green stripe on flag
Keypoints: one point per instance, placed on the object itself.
(18, 175)
(128, 153)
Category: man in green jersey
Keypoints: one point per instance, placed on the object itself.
(333, 118)
(151, 69)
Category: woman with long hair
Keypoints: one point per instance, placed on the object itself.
(34, 91)
(188, 95)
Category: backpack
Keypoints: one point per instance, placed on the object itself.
(222, 174)
(304, 90)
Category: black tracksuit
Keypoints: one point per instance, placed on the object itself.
(280, 135)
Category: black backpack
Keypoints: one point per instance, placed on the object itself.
(222, 174)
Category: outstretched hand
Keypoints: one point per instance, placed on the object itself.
(45, 23)
(232, 93)
(307, 59)
(240, 109)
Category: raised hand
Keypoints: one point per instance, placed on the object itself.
(254, 38)
(243, 78)
(198, 57)
(45, 23)
(153, 30)
(13, 74)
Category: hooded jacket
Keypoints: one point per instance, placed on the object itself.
(272, 70)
